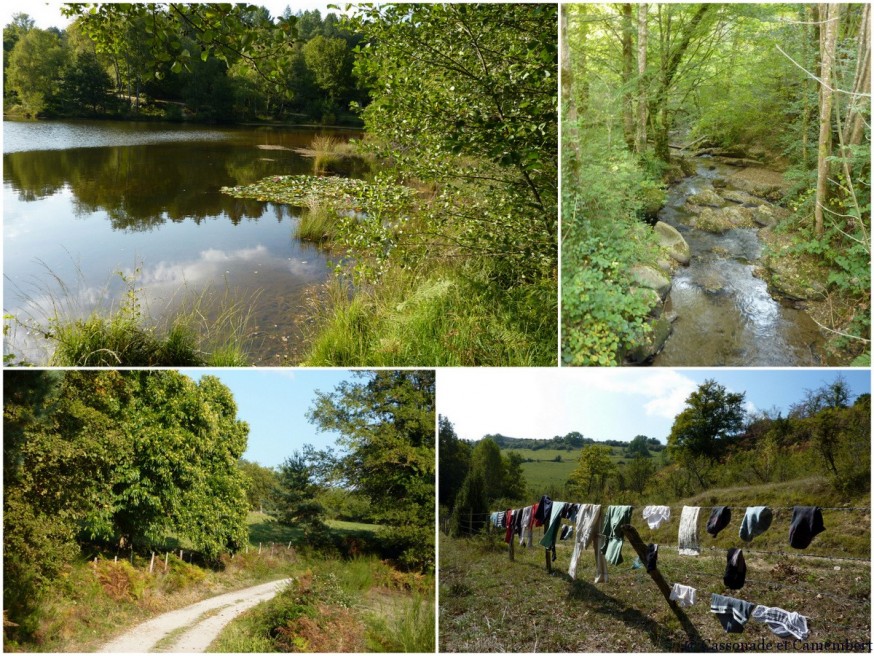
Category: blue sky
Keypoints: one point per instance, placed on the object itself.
(274, 402)
(607, 403)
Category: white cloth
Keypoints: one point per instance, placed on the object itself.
(655, 516)
(587, 530)
(526, 530)
(688, 537)
(683, 595)
(783, 623)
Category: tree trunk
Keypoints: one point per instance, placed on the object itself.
(829, 14)
(640, 136)
(854, 126)
(670, 64)
(627, 72)
(567, 93)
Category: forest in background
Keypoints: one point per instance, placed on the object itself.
(714, 443)
(149, 66)
(124, 464)
(786, 85)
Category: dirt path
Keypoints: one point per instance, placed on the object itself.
(193, 627)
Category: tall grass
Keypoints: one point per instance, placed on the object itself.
(446, 317)
(204, 330)
(318, 224)
(410, 629)
(326, 153)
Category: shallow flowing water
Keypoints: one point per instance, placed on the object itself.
(84, 200)
(725, 315)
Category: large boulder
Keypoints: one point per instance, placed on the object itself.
(652, 343)
(766, 214)
(723, 219)
(651, 278)
(672, 242)
(741, 197)
(708, 197)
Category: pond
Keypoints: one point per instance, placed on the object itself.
(86, 200)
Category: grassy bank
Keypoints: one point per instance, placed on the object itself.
(490, 604)
(440, 316)
(363, 605)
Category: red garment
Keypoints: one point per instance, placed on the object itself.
(509, 536)
(535, 522)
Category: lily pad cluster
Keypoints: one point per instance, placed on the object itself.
(301, 190)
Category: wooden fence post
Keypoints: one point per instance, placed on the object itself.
(634, 539)
(512, 547)
(548, 561)
(166, 560)
(259, 548)
(152, 564)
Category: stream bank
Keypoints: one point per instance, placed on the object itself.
(719, 309)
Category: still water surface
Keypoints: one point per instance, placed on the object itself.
(85, 200)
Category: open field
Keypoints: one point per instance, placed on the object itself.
(488, 603)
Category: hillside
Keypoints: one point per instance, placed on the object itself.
(829, 583)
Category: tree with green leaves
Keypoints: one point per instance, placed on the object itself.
(295, 501)
(386, 424)
(260, 483)
(703, 430)
(454, 462)
(466, 94)
(34, 64)
(592, 474)
(638, 448)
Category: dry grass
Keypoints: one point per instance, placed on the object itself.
(488, 604)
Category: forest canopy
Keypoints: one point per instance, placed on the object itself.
(648, 89)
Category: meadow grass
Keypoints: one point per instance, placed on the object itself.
(488, 603)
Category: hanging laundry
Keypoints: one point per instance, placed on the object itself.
(652, 557)
(534, 520)
(615, 517)
(544, 511)
(732, 613)
(655, 516)
(571, 511)
(531, 526)
(508, 535)
(517, 522)
(526, 525)
(637, 564)
(551, 533)
(588, 523)
(688, 536)
(784, 624)
(566, 531)
(683, 595)
(756, 521)
(496, 519)
(806, 525)
(720, 516)
(735, 570)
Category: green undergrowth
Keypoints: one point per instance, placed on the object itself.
(357, 605)
(603, 236)
(443, 317)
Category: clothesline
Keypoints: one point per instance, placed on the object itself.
(779, 553)
(487, 514)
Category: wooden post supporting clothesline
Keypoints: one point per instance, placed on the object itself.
(634, 539)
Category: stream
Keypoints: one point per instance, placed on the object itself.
(725, 315)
